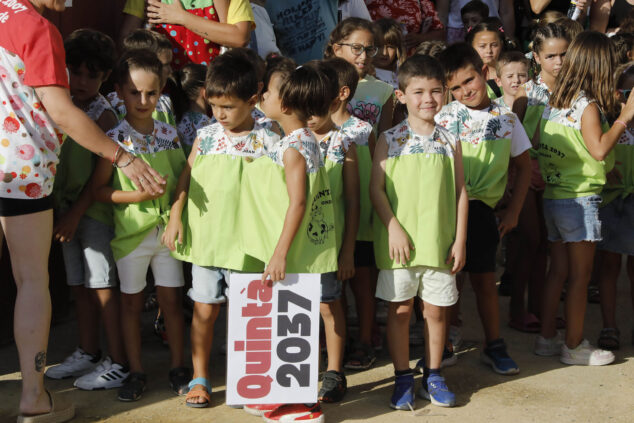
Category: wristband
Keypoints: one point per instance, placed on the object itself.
(622, 123)
(117, 154)
(126, 164)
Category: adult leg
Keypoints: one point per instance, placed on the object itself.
(398, 317)
(29, 241)
(557, 275)
(487, 300)
(580, 261)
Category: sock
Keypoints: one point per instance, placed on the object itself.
(402, 372)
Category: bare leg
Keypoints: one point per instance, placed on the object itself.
(630, 274)
(108, 302)
(87, 320)
(580, 261)
(435, 326)
(131, 308)
(398, 316)
(610, 269)
(487, 299)
(335, 329)
(202, 337)
(557, 274)
(363, 286)
(170, 302)
(29, 241)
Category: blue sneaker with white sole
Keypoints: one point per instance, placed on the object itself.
(403, 395)
(436, 391)
(497, 357)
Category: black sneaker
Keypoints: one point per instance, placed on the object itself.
(333, 387)
(133, 387)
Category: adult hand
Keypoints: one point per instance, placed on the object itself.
(142, 175)
(163, 13)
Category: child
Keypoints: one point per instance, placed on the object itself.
(512, 73)
(190, 108)
(488, 40)
(392, 53)
(144, 39)
(293, 165)
(430, 48)
(616, 221)
(353, 40)
(492, 138)
(205, 234)
(574, 145)
(139, 217)
(473, 13)
(420, 244)
(85, 228)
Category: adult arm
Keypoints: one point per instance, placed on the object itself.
(538, 6)
(600, 15)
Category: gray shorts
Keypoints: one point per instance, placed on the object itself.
(209, 284)
(617, 226)
(88, 257)
(331, 288)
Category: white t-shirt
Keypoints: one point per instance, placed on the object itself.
(455, 18)
(354, 9)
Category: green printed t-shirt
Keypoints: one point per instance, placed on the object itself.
(163, 152)
(537, 96)
(564, 160)
(264, 202)
(421, 188)
(624, 163)
(489, 138)
(210, 218)
(164, 111)
(369, 97)
(75, 168)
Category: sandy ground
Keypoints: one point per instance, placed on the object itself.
(544, 391)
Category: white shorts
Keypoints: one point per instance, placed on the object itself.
(167, 271)
(433, 285)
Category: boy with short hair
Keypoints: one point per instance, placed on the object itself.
(418, 192)
(512, 73)
(206, 235)
(492, 138)
(473, 13)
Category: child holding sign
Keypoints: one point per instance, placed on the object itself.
(286, 214)
(417, 188)
(206, 236)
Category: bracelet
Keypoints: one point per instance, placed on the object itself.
(117, 154)
(132, 158)
(622, 123)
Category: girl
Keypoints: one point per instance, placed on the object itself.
(616, 218)
(392, 53)
(190, 107)
(353, 40)
(139, 218)
(574, 145)
(487, 39)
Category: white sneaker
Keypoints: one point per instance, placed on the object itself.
(77, 364)
(586, 355)
(106, 375)
(548, 347)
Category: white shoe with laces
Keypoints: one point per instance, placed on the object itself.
(586, 355)
(548, 347)
(77, 364)
(106, 375)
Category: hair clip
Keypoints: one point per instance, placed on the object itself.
(501, 29)
(469, 29)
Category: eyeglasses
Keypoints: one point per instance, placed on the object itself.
(626, 93)
(357, 49)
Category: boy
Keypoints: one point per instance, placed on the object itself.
(473, 13)
(418, 192)
(512, 73)
(492, 137)
(85, 228)
(220, 153)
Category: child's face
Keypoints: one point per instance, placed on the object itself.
(231, 111)
(471, 19)
(423, 97)
(625, 89)
(468, 86)
(488, 46)
(84, 84)
(512, 75)
(271, 103)
(551, 56)
(348, 48)
(140, 93)
(386, 56)
(165, 56)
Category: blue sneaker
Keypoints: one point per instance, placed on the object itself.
(496, 356)
(436, 391)
(403, 392)
(449, 358)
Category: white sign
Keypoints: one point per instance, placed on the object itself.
(273, 340)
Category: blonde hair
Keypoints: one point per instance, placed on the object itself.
(587, 67)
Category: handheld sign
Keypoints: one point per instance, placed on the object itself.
(273, 340)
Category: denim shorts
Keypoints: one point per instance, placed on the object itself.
(209, 284)
(573, 219)
(617, 224)
(331, 288)
(88, 257)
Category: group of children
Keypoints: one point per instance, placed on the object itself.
(324, 168)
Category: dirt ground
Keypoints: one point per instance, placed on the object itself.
(544, 391)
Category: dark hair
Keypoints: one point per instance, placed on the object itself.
(623, 43)
(231, 75)
(627, 24)
(475, 6)
(391, 34)
(623, 71)
(546, 32)
(331, 75)
(431, 48)
(140, 39)
(162, 42)
(307, 92)
(573, 28)
(491, 24)
(511, 57)
(420, 66)
(186, 85)
(138, 59)
(458, 56)
(253, 57)
(344, 29)
(92, 48)
(277, 64)
(347, 74)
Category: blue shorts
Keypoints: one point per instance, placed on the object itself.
(209, 284)
(331, 288)
(573, 219)
(617, 226)
(88, 257)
